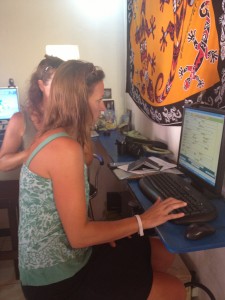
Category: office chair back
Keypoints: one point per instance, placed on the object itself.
(94, 186)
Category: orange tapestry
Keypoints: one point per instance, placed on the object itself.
(173, 53)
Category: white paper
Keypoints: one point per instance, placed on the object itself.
(164, 165)
(94, 133)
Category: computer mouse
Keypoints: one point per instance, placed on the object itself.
(197, 231)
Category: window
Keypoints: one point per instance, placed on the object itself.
(64, 52)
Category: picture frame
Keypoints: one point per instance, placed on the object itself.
(107, 118)
(109, 104)
(107, 93)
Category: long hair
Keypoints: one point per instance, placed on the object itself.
(72, 85)
(44, 71)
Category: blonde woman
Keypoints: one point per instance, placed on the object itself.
(63, 254)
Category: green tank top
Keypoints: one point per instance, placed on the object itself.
(45, 255)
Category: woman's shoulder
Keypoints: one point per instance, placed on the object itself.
(61, 149)
(65, 142)
(58, 140)
(17, 121)
(66, 148)
(17, 117)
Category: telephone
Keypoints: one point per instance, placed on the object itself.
(138, 147)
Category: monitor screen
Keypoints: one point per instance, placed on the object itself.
(201, 151)
(9, 102)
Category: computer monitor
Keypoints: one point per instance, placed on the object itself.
(201, 153)
(9, 102)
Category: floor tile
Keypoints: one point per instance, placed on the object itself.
(9, 287)
(11, 292)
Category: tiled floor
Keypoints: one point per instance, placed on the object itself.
(9, 287)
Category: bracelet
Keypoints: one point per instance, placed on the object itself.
(140, 226)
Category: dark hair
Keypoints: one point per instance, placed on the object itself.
(44, 71)
(68, 107)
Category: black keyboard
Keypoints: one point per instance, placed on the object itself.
(164, 185)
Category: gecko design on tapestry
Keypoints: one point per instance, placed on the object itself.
(201, 47)
(175, 31)
(173, 54)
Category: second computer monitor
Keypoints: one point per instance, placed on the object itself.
(9, 102)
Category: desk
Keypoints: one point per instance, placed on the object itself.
(171, 234)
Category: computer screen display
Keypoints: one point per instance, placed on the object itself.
(201, 152)
(9, 102)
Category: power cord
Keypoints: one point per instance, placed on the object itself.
(193, 283)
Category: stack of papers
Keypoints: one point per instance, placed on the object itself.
(139, 168)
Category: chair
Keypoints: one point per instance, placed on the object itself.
(94, 186)
(9, 194)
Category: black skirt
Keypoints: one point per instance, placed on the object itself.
(119, 273)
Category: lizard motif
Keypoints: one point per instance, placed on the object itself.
(201, 47)
(175, 32)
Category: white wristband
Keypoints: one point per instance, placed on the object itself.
(140, 226)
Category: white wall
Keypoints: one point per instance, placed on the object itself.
(27, 26)
(168, 134)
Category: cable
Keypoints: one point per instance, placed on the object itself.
(201, 286)
(193, 283)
